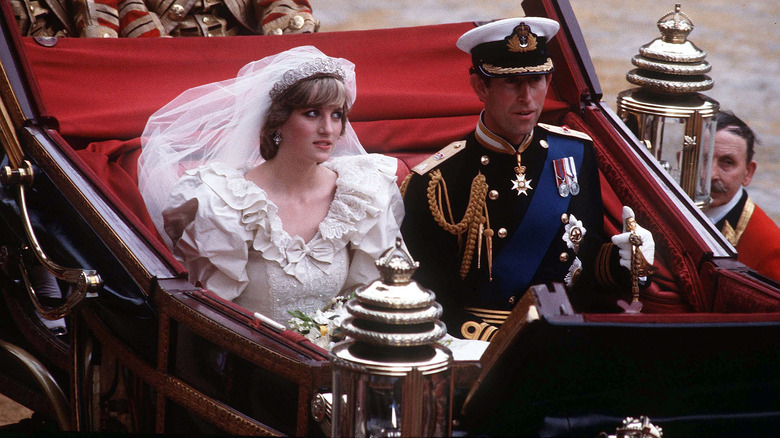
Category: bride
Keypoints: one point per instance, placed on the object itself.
(262, 190)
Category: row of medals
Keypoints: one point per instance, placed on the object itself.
(522, 185)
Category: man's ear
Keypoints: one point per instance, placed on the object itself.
(751, 170)
(479, 86)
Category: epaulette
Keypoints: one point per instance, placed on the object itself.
(565, 130)
(443, 155)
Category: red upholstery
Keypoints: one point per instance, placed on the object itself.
(413, 98)
(410, 102)
(129, 79)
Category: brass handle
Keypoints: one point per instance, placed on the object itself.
(11, 118)
(85, 283)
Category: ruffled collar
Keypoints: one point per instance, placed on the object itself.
(356, 189)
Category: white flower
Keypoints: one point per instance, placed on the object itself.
(574, 272)
(573, 234)
(323, 327)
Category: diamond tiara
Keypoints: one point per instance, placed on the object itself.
(307, 69)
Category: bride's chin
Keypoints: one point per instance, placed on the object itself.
(323, 156)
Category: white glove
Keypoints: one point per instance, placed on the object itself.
(622, 241)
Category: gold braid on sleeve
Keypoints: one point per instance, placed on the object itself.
(474, 218)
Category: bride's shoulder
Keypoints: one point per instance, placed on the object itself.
(220, 181)
(364, 167)
(365, 182)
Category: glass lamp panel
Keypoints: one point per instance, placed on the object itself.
(706, 151)
(667, 137)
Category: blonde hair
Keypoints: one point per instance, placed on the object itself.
(314, 91)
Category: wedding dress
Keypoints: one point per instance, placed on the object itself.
(228, 235)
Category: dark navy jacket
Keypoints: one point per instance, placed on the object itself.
(440, 254)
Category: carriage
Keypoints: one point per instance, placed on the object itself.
(146, 351)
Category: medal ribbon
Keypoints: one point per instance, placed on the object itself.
(560, 173)
(571, 169)
(517, 263)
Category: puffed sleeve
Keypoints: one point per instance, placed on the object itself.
(208, 237)
(377, 233)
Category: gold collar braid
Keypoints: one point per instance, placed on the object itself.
(475, 223)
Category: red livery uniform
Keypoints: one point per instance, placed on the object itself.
(755, 235)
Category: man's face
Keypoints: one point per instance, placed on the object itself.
(730, 169)
(512, 104)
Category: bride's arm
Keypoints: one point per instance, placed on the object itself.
(207, 238)
(381, 233)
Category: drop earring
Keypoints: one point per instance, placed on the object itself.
(277, 138)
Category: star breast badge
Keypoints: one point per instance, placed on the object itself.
(521, 185)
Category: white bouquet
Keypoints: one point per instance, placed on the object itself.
(323, 328)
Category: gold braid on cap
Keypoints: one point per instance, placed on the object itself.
(543, 68)
(474, 219)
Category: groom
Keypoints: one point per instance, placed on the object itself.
(516, 202)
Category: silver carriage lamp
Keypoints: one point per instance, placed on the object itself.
(667, 112)
(390, 377)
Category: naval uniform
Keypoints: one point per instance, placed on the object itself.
(526, 249)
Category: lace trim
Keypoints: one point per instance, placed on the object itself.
(356, 190)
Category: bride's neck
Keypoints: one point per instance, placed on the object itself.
(288, 176)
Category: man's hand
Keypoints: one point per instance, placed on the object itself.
(623, 241)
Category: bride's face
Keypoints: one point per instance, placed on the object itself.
(311, 133)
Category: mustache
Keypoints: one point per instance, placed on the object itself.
(717, 187)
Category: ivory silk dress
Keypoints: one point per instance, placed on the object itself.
(228, 235)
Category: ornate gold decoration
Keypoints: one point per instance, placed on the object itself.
(639, 266)
(734, 234)
(522, 40)
(481, 331)
(438, 158)
(490, 316)
(396, 265)
(474, 224)
(671, 64)
(405, 184)
(543, 68)
(643, 268)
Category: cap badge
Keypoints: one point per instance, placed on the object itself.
(521, 40)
